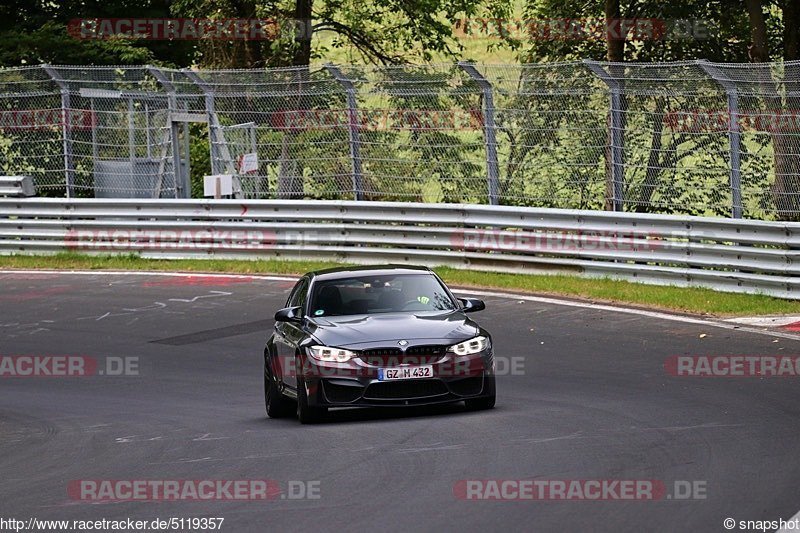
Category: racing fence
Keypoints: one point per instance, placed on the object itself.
(692, 138)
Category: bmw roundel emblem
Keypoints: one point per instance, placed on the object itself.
(402, 343)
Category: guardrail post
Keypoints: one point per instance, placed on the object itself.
(617, 177)
(181, 189)
(353, 125)
(490, 137)
(69, 169)
(734, 133)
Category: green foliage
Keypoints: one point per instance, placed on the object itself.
(199, 157)
(395, 30)
(35, 31)
(716, 30)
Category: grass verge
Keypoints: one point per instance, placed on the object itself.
(690, 300)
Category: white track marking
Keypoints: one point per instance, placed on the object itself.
(214, 294)
(765, 321)
(716, 323)
(254, 277)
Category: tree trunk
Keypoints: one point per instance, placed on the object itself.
(615, 44)
(758, 51)
(788, 140)
(302, 17)
(290, 176)
(238, 54)
(290, 171)
(791, 30)
(786, 186)
(251, 55)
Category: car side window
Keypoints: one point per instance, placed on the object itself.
(299, 294)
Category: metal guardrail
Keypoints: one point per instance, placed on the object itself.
(17, 186)
(722, 254)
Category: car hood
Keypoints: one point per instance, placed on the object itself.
(365, 331)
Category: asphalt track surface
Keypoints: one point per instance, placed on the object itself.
(593, 402)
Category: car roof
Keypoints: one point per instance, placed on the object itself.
(372, 270)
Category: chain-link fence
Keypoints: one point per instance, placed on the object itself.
(690, 137)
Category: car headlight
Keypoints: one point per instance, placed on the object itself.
(478, 344)
(331, 355)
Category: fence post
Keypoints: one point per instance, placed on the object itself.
(211, 111)
(734, 133)
(353, 125)
(215, 135)
(69, 170)
(172, 107)
(490, 137)
(617, 176)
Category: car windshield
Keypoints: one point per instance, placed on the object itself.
(379, 294)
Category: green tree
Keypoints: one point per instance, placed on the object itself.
(775, 95)
(36, 31)
(389, 31)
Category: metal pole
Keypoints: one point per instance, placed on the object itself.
(734, 133)
(69, 170)
(131, 136)
(210, 110)
(254, 150)
(147, 127)
(353, 129)
(734, 137)
(617, 134)
(172, 107)
(215, 135)
(489, 134)
(95, 148)
(186, 169)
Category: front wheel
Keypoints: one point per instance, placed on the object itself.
(307, 414)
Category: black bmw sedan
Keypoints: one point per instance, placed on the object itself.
(375, 337)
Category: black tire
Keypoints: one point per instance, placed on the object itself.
(277, 405)
(307, 414)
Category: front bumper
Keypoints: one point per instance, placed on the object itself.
(356, 384)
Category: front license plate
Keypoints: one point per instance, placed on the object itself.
(405, 372)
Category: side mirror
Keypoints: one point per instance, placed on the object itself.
(470, 305)
(289, 314)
